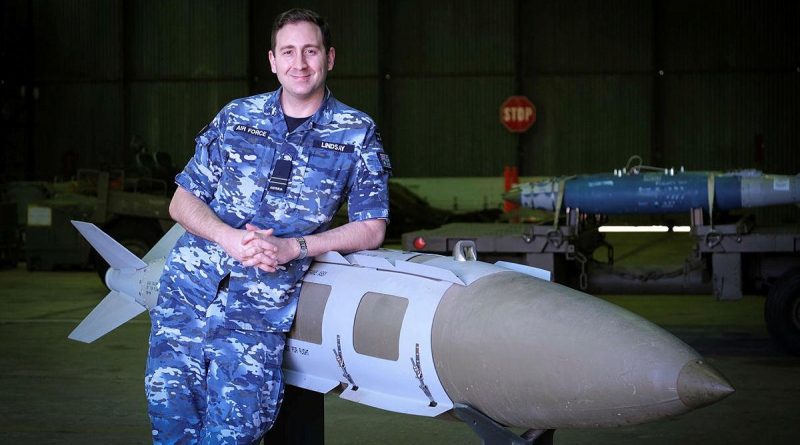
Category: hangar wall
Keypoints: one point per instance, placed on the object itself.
(75, 57)
(105, 72)
(732, 72)
(185, 59)
(678, 82)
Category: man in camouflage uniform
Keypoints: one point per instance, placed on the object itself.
(268, 174)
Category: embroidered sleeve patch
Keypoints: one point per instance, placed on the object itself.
(385, 162)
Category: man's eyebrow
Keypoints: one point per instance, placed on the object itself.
(314, 45)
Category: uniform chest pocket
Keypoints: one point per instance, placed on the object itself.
(325, 182)
(243, 179)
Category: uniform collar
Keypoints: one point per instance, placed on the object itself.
(323, 116)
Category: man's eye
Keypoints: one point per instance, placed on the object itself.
(311, 52)
(287, 53)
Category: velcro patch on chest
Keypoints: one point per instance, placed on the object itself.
(279, 178)
(334, 146)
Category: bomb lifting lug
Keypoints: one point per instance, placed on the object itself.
(465, 250)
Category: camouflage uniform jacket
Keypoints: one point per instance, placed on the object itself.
(249, 170)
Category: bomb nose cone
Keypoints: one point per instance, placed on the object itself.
(700, 385)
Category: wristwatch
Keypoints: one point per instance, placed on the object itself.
(303, 248)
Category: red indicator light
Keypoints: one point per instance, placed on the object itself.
(419, 243)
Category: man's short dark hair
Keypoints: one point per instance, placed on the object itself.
(296, 15)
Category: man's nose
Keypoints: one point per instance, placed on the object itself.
(300, 61)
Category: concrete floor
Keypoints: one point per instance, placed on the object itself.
(62, 392)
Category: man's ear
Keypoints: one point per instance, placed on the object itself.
(331, 57)
(271, 58)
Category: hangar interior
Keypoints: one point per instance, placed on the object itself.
(694, 84)
(100, 94)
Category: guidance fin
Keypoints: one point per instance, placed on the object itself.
(115, 254)
(165, 244)
(115, 309)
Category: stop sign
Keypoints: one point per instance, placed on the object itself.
(517, 114)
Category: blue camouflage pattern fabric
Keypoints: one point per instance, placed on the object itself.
(334, 157)
(210, 385)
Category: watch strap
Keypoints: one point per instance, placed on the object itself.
(303, 248)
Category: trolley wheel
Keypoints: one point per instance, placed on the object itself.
(782, 311)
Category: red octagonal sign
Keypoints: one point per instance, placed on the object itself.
(517, 114)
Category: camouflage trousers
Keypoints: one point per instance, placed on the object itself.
(206, 384)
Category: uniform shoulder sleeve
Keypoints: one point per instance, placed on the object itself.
(368, 196)
(202, 172)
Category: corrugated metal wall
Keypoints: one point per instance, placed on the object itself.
(433, 74)
(354, 79)
(450, 67)
(186, 60)
(110, 70)
(76, 55)
(587, 67)
(731, 74)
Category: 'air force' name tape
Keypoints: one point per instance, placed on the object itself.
(334, 146)
(250, 130)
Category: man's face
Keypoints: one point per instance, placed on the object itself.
(300, 61)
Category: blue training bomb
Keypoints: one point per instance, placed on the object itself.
(661, 192)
